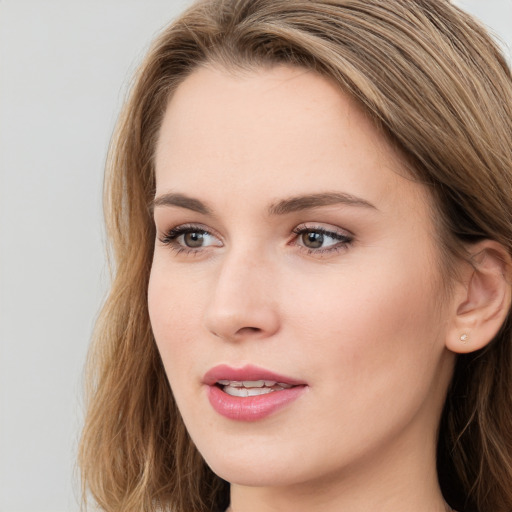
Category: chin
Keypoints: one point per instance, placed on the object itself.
(260, 466)
(253, 475)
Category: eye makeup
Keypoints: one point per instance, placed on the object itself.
(314, 239)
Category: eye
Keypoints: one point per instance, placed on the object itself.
(194, 238)
(320, 240)
(313, 239)
(189, 238)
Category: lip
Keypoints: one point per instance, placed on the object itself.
(248, 372)
(252, 408)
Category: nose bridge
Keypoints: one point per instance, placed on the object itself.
(242, 301)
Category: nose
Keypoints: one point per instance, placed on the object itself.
(243, 302)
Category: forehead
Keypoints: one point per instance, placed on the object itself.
(283, 130)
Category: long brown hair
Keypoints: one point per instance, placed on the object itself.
(435, 82)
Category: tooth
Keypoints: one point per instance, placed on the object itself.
(230, 390)
(254, 383)
(258, 391)
(245, 392)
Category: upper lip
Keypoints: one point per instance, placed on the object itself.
(245, 373)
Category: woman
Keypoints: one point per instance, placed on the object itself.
(310, 209)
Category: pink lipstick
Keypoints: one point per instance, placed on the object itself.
(249, 393)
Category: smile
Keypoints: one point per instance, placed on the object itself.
(249, 393)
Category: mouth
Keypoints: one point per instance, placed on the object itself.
(249, 393)
(251, 387)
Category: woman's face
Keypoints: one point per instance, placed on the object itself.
(294, 254)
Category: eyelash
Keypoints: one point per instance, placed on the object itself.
(170, 239)
(344, 240)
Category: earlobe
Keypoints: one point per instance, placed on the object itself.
(483, 298)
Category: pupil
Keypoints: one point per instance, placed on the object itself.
(193, 239)
(313, 240)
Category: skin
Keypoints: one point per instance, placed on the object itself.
(363, 323)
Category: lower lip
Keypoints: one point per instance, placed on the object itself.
(251, 408)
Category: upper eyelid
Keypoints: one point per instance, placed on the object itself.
(191, 227)
(329, 229)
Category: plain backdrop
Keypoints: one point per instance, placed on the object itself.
(65, 66)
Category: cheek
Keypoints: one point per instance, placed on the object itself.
(175, 312)
(367, 301)
(373, 327)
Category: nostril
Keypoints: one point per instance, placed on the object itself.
(248, 330)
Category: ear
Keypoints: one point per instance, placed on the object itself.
(482, 298)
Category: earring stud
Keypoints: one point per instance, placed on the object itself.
(464, 338)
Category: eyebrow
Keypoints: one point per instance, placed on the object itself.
(283, 207)
(182, 201)
(306, 202)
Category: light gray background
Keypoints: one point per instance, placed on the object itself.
(64, 68)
